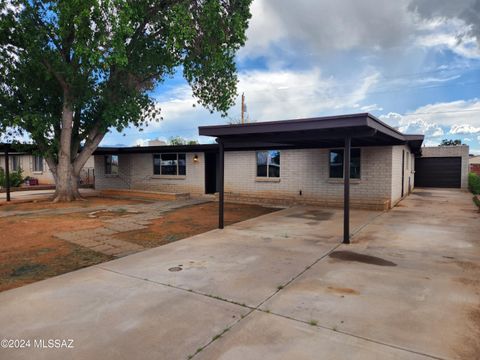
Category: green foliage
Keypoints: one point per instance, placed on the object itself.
(16, 178)
(474, 183)
(102, 58)
(447, 142)
(178, 140)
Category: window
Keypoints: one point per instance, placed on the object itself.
(14, 163)
(170, 164)
(336, 164)
(111, 164)
(37, 163)
(268, 164)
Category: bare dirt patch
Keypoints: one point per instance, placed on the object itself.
(28, 250)
(89, 202)
(189, 221)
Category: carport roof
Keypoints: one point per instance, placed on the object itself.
(320, 132)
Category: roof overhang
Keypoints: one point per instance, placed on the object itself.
(320, 132)
(155, 149)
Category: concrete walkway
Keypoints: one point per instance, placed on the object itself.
(278, 286)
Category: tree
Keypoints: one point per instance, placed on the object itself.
(71, 70)
(447, 142)
(178, 140)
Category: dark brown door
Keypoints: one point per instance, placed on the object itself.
(442, 172)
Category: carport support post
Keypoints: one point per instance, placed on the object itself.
(221, 170)
(7, 173)
(346, 190)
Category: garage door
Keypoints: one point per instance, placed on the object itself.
(440, 172)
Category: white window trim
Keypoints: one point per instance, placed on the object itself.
(267, 178)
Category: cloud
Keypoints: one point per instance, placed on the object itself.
(313, 29)
(441, 120)
(464, 129)
(467, 11)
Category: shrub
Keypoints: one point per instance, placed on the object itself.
(16, 178)
(474, 183)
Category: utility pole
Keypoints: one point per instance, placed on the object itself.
(243, 107)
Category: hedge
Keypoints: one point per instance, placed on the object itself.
(474, 183)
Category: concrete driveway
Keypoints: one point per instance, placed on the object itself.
(275, 287)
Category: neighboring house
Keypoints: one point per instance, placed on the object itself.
(285, 162)
(474, 162)
(35, 166)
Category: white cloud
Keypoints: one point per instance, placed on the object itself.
(370, 108)
(319, 27)
(464, 129)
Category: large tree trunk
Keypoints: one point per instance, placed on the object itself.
(65, 190)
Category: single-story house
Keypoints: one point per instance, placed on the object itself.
(474, 162)
(283, 162)
(35, 166)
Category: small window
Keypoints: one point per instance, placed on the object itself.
(268, 164)
(111, 164)
(14, 163)
(170, 164)
(336, 164)
(37, 163)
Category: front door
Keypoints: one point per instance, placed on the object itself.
(211, 173)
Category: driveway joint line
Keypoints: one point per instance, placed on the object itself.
(354, 335)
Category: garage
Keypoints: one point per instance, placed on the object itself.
(441, 172)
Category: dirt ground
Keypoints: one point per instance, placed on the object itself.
(189, 221)
(89, 202)
(29, 252)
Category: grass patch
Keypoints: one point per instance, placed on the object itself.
(474, 183)
(313, 322)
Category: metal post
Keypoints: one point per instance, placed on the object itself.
(221, 170)
(7, 172)
(346, 190)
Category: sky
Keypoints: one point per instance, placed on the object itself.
(415, 64)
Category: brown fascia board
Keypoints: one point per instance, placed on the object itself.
(318, 123)
(155, 149)
(327, 122)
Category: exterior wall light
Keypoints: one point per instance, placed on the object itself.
(195, 158)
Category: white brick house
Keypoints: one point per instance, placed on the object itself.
(300, 175)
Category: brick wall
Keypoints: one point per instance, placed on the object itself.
(136, 172)
(451, 151)
(307, 171)
(304, 176)
(400, 152)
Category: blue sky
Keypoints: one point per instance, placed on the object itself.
(413, 63)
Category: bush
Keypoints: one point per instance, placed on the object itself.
(16, 178)
(474, 183)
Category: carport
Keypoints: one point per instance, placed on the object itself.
(344, 131)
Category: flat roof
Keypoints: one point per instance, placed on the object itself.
(327, 131)
(107, 150)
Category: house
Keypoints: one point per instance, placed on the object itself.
(474, 164)
(282, 162)
(35, 166)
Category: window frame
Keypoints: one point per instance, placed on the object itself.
(342, 164)
(35, 163)
(108, 164)
(267, 176)
(177, 165)
(14, 163)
